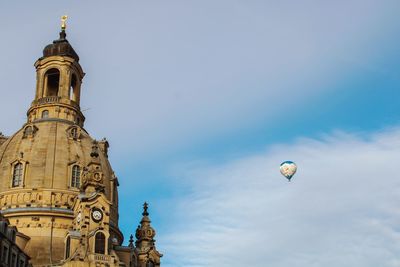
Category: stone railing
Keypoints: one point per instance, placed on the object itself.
(54, 99)
(47, 100)
(101, 258)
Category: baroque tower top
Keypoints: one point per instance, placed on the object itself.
(58, 88)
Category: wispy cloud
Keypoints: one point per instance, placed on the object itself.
(163, 72)
(341, 209)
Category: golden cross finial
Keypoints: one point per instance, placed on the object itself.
(63, 20)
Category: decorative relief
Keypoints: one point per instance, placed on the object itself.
(36, 199)
(92, 175)
(37, 224)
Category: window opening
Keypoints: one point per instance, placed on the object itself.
(28, 131)
(45, 114)
(74, 133)
(53, 82)
(100, 243)
(76, 176)
(72, 90)
(17, 175)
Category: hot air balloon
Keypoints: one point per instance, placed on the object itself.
(288, 169)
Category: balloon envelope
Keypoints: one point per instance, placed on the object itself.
(288, 169)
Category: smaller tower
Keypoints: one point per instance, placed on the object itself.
(146, 252)
(91, 238)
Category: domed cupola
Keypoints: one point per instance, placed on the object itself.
(58, 87)
(60, 47)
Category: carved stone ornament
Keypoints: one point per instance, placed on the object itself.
(92, 175)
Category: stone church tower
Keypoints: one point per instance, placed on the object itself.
(57, 186)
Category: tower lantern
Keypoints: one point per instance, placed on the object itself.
(59, 78)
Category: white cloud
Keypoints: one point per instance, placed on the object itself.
(162, 72)
(341, 209)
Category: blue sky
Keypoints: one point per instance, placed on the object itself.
(202, 100)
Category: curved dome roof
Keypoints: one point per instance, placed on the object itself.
(48, 150)
(60, 47)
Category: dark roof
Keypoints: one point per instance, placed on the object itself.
(60, 47)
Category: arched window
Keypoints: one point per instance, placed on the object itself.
(100, 243)
(28, 131)
(150, 264)
(68, 247)
(76, 176)
(74, 133)
(72, 90)
(52, 78)
(45, 114)
(17, 175)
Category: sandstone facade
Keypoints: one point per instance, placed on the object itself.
(57, 186)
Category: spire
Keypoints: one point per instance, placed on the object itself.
(131, 241)
(145, 233)
(146, 251)
(145, 207)
(63, 36)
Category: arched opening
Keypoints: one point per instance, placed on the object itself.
(17, 175)
(68, 247)
(74, 133)
(73, 94)
(150, 264)
(52, 79)
(28, 131)
(76, 176)
(45, 114)
(100, 243)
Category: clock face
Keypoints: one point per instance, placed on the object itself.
(97, 215)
